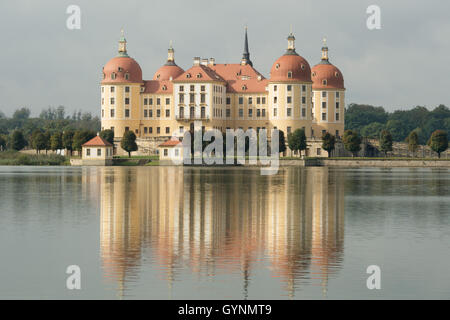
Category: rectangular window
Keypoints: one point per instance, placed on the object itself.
(203, 113)
(337, 116)
(103, 113)
(191, 98)
(181, 98)
(241, 113)
(250, 100)
(263, 112)
(337, 94)
(324, 94)
(166, 152)
(112, 113)
(145, 101)
(145, 130)
(151, 113)
(192, 87)
(275, 88)
(158, 101)
(337, 105)
(181, 88)
(241, 100)
(303, 112)
(127, 129)
(112, 101)
(324, 116)
(319, 150)
(228, 100)
(99, 152)
(275, 99)
(181, 129)
(167, 101)
(202, 98)
(289, 88)
(150, 130)
(258, 100)
(250, 113)
(167, 130)
(289, 99)
(228, 113)
(258, 112)
(112, 89)
(167, 113)
(145, 113)
(324, 105)
(127, 89)
(303, 88)
(158, 113)
(288, 129)
(303, 100)
(151, 101)
(127, 113)
(158, 130)
(202, 88)
(264, 100)
(127, 100)
(289, 112)
(88, 152)
(275, 112)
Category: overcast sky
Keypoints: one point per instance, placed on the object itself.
(404, 64)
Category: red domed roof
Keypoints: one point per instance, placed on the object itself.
(125, 69)
(327, 76)
(291, 67)
(168, 71)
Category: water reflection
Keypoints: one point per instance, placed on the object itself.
(222, 221)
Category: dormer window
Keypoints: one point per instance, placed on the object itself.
(157, 77)
(277, 66)
(289, 74)
(336, 74)
(303, 67)
(120, 69)
(104, 75)
(313, 74)
(113, 76)
(188, 75)
(127, 76)
(244, 87)
(164, 87)
(199, 75)
(324, 82)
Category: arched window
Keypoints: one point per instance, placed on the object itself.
(324, 82)
(289, 74)
(127, 76)
(113, 76)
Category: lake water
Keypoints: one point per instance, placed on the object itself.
(224, 233)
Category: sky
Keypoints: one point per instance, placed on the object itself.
(400, 66)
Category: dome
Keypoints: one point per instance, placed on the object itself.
(122, 69)
(327, 76)
(291, 67)
(168, 72)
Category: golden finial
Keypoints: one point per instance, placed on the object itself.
(324, 41)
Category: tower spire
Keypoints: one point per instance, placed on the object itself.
(170, 55)
(325, 52)
(122, 45)
(246, 55)
(291, 44)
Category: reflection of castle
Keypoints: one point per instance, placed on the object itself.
(214, 221)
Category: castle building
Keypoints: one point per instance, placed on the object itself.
(222, 96)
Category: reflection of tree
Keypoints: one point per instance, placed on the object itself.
(217, 221)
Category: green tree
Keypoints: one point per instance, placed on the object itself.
(18, 141)
(372, 130)
(108, 135)
(281, 142)
(439, 142)
(328, 142)
(67, 140)
(38, 141)
(385, 142)
(297, 140)
(128, 142)
(2, 143)
(81, 137)
(56, 141)
(22, 114)
(352, 141)
(413, 141)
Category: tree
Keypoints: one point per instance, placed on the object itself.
(281, 142)
(56, 141)
(22, 114)
(328, 143)
(439, 142)
(372, 130)
(413, 141)
(385, 142)
(352, 141)
(2, 143)
(81, 137)
(38, 141)
(108, 135)
(18, 141)
(297, 140)
(67, 140)
(128, 142)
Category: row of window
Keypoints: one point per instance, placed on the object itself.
(149, 101)
(289, 88)
(259, 100)
(112, 89)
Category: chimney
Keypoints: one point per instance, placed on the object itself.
(212, 61)
(196, 61)
(204, 62)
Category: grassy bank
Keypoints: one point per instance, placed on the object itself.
(14, 158)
